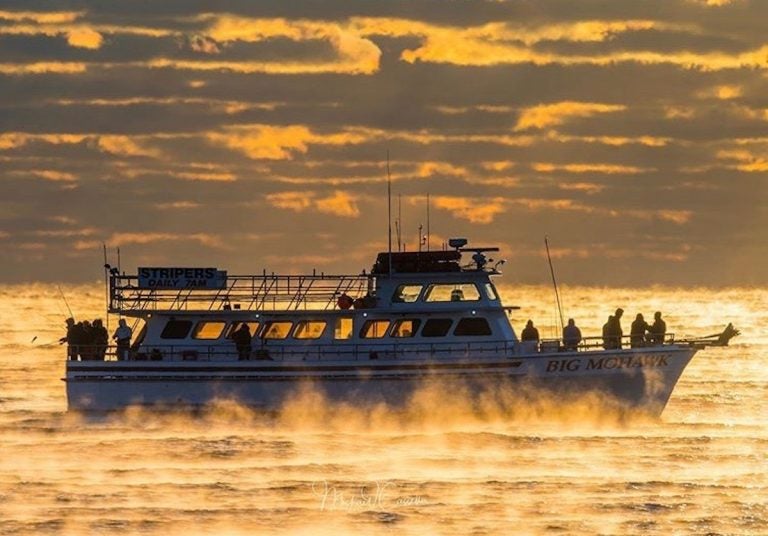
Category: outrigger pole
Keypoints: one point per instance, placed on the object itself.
(554, 283)
(63, 297)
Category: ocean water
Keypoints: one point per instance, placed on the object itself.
(441, 466)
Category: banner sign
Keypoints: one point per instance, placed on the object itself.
(181, 278)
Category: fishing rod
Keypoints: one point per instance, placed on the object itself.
(554, 283)
(71, 314)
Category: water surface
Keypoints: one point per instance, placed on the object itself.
(442, 466)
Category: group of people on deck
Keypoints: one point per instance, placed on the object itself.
(641, 333)
(88, 341)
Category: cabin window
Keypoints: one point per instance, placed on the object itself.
(208, 330)
(253, 327)
(491, 292)
(436, 327)
(309, 329)
(452, 292)
(405, 327)
(472, 327)
(176, 329)
(374, 329)
(277, 329)
(406, 293)
(343, 328)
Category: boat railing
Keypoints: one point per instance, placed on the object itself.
(270, 350)
(265, 292)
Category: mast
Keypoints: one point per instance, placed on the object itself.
(389, 215)
(554, 283)
(427, 221)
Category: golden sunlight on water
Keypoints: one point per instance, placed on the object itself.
(441, 466)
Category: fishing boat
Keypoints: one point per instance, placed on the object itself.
(415, 319)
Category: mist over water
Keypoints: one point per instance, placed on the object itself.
(442, 465)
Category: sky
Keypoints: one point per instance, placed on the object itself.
(254, 135)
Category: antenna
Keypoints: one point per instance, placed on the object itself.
(554, 283)
(399, 221)
(389, 214)
(427, 221)
(106, 285)
(421, 227)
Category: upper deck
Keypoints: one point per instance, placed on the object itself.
(209, 289)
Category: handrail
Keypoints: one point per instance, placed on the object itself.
(277, 350)
(266, 292)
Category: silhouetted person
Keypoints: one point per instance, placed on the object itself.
(345, 301)
(614, 332)
(607, 337)
(123, 336)
(242, 338)
(658, 330)
(637, 331)
(69, 338)
(87, 345)
(530, 333)
(100, 339)
(571, 335)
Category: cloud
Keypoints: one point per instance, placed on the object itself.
(174, 205)
(475, 210)
(48, 174)
(608, 169)
(548, 115)
(265, 141)
(85, 38)
(126, 238)
(296, 201)
(586, 187)
(125, 146)
(42, 67)
(339, 203)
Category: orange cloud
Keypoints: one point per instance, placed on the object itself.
(475, 210)
(339, 204)
(265, 141)
(49, 175)
(41, 17)
(177, 205)
(205, 176)
(547, 115)
(125, 146)
(85, 38)
(586, 187)
(430, 169)
(608, 169)
(41, 67)
(354, 53)
(205, 239)
(296, 201)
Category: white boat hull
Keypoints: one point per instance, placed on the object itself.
(638, 378)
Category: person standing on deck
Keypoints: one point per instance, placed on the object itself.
(637, 332)
(69, 338)
(530, 333)
(123, 336)
(571, 335)
(614, 329)
(658, 330)
(100, 338)
(242, 338)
